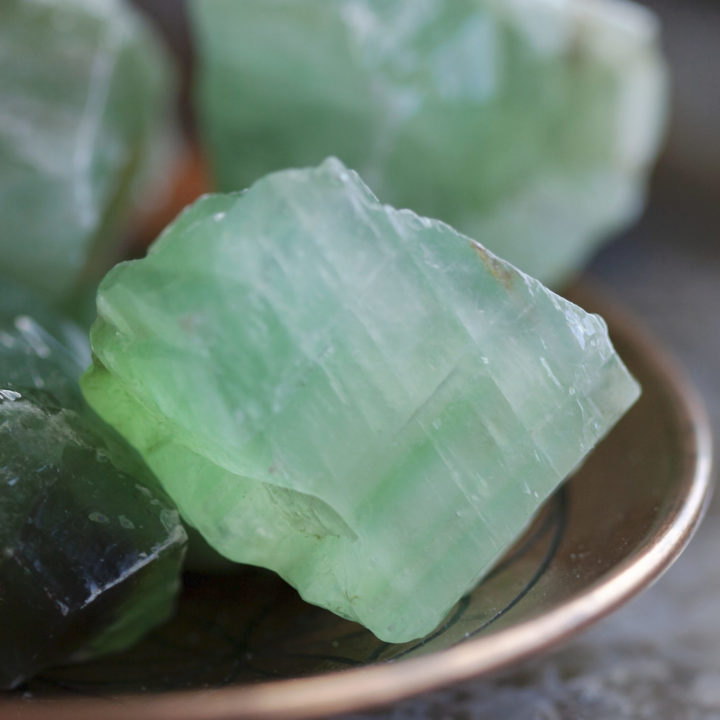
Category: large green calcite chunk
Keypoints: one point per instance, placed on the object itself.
(82, 86)
(90, 554)
(528, 123)
(359, 398)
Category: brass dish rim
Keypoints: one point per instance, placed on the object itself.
(361, 688)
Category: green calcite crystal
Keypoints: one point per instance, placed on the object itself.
(90, 555)
(82, 85)
(359, 398)
(527, 123)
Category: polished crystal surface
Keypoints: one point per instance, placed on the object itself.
(82, 85)
(90, 554)
(359, 398)
(527, 123)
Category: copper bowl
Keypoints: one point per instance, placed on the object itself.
(246, 646)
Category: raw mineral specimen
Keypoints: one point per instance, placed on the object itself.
(359, 398)
(82, 85)
(528, 123)
(89, 556)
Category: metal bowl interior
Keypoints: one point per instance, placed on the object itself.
(246, 646)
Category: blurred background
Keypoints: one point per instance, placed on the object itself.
(660, 656)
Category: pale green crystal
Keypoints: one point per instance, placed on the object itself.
(82, 86)
(527, 123)
(359, 398)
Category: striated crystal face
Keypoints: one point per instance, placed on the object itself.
(527, 123)
(81, 87)
(90, 554)
(359, 398)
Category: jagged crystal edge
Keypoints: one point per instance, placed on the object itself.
(264, 499)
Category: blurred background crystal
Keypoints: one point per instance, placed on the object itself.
(84, 93)
(529, 126)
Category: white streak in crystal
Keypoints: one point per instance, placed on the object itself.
(177, 536)
(33, 334)
(89, 127)
(550, 373)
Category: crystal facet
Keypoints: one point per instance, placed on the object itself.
(359, 398)
(528, 123)
(90, 554)
(82, 84)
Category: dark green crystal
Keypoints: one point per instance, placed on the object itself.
(89, 554)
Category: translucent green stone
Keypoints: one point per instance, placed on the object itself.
(90, 555)
(82, 85)
(359, 398)
(527, 123)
